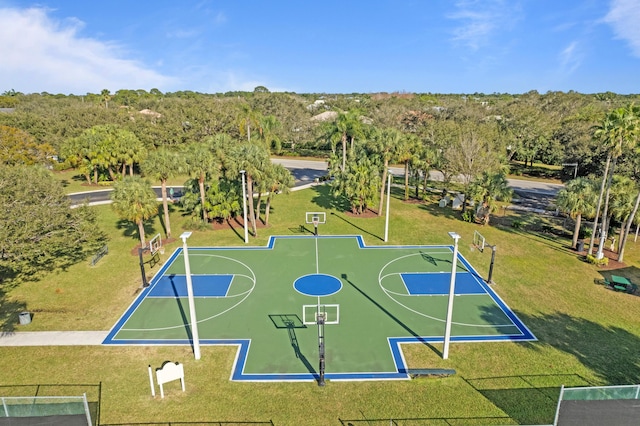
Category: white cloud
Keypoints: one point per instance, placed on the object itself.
(40, 54)
(623, 17)
(220, 18)
(570, 58)
(480, 19)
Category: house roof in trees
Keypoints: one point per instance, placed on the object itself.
(151, 113)
(325, 116)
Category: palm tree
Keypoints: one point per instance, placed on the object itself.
(106, 97)
(161, 165)
(281, 181)
(359, 184)
(269, 126)
(619, 132)
(200, 163)
(253, 159)
(622, 204)
(130, 150)
(223, 199)
(134, 200)
(633, 218)
(405, 154)
(384, 143)
(346, 128)
(247, 119)
(488, 189)
(578, 198)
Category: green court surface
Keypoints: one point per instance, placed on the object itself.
(375, 298)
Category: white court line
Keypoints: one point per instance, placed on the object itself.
(246, 294)
(389, 294)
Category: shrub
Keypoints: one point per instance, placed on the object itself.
(467, 216)
(517, 224)
(595, 261)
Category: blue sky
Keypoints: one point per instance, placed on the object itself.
(330, 46)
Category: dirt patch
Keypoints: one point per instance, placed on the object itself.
(235, 223)
(413, 201)
(367, 214)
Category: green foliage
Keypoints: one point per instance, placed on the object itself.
(467, 216)
(223, 199)
(19, 147)
(595, 261)
(359, 184)
(103, 150)
(38, 230)
(517, 224)
(134, 200)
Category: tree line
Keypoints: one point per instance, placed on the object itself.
(132, 138)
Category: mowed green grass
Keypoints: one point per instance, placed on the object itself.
(587, 335)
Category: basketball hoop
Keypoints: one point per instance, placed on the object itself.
(316, 218)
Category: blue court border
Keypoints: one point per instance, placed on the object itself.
(237, 371)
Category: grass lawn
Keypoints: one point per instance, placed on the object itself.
(588, 335)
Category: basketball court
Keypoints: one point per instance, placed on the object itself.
(286, 303)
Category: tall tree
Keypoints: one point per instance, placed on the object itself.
(578, 198)
(19, 147)
(406, 153)
(253, 159)
(134, 200)
(619, 133)
(105, 97)
(384, 144)
(280, 181)
(471, 155)
(38, 230)
(161, 165)
(487, 190)
(201, 162)
(359, 184)
(344, 130)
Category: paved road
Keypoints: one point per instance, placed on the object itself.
(306, 172)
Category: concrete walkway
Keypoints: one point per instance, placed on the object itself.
(52, 338)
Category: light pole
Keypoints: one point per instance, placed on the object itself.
(386, 219)
(603, 238)
(192, 305)
(244, 208)
(452, 287)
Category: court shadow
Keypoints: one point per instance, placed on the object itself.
(130, 229)
(291, 322)
(286, 321)
(528, 399)
(327, 201)
(364, 231)
(10, 313)
(183, 314)
(610, 352)
(390, 315)
(430, 258)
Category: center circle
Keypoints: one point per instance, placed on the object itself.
(317, 285)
